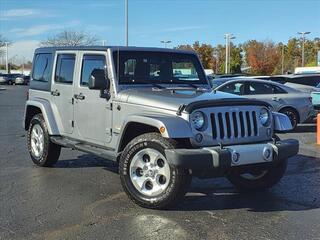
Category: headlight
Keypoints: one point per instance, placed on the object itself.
(264, 117)
(198, 120)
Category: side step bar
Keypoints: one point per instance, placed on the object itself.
(85, 147)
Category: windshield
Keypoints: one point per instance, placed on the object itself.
(141, 67)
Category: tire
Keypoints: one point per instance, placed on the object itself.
(43, 152)
(262, 179)
(292, 114)
(151, 189)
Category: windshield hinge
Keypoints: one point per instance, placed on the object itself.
(180, 109)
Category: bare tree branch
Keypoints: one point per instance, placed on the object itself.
(70, 38)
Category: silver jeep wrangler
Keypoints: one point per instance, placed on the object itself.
(152, 111)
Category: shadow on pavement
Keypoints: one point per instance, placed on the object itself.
(87, 161)
(299, 190)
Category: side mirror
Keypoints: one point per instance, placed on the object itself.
(98, 80)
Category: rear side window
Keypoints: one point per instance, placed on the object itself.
(90, 63)
(260, 88)
(278, 90)
(41, 69)
(65, 68)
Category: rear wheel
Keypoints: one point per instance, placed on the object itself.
(43, 152)
(146, 175)
(258, 179)
(293, 116)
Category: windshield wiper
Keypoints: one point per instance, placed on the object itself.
(152, 84)
(192, 85)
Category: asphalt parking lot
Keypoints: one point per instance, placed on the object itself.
(81, 197)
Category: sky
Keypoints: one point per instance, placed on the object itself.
(27, 22)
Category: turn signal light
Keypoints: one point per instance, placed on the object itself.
(162, 129)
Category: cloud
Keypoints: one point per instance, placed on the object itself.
(13, 14)
(35, 30)
(24, 48)
(42, 28)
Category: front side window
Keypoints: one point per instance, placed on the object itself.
(237, 88)
(41, 70)
(65, 68)
(141, 67)
(90, 63)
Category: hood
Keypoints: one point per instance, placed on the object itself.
(168, 98)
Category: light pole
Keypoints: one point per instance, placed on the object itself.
(165, 43)
(23, 60)
(228, 37)
(103, 42)
(216, 56)
(303, 40)
(127, 22)
(7, 63)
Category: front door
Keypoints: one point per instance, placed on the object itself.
(62, 90)
(92, 113)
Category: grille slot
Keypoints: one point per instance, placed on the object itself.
(232, 125)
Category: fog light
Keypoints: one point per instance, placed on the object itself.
(199, 137)
(235, 157)
(267, 154)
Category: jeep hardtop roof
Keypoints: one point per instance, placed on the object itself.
(113, 48)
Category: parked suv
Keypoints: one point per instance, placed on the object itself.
(127, 104)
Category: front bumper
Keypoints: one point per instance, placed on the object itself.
(216, 158)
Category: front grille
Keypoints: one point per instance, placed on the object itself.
(232, 125)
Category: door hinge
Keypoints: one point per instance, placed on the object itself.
(72, 123)
(109, 131)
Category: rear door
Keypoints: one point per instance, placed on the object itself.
(267, 92)
(93, 114)
(62, 88)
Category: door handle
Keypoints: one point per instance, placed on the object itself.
(275, 99)
(55, 93)
(79, 96)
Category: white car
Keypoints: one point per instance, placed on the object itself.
(295, 104)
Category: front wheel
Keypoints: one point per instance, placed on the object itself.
(292, 115)
(146, 175)
(43, 152)
(254, 180)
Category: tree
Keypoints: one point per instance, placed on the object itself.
(70, 38)
(262, 57)
(235, 59)
(214, 57)
(3, 41)
(204, 51)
